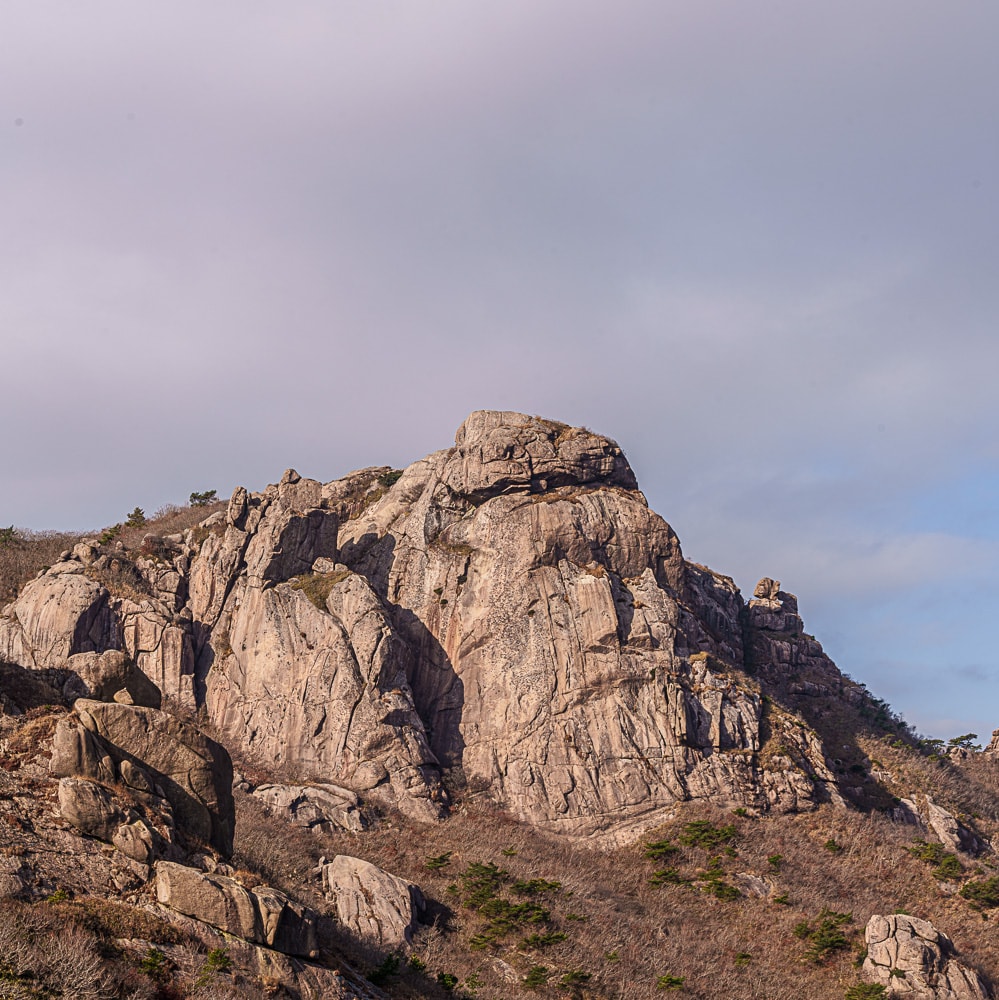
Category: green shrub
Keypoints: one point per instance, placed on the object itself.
(537, 976)
(865, 991)
(216, 961)
(534, 886)
(670, 982)
(438, 861)
(714, 882)
(385, 971)
(931, 853)
(154, 964)
(660, 850)
(136, 519)
(446, 981)
(109, 534)
(983, 894)
(202, 499)
(703, 833)
(949, 868)
(825, 937)
(543, 940)
(482, 884)
(668, 876)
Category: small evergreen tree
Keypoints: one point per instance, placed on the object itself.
(203, 499)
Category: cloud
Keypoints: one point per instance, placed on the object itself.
(755, 245)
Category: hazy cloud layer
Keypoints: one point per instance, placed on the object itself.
(757, 244)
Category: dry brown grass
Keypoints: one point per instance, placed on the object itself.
(169, 520)
(626, 933)
(25, 554)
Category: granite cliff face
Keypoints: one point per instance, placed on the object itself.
(507, 614)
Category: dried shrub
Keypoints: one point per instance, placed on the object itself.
(317, 587)
(23, 554)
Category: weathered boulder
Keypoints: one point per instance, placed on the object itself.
(319, 808)
(104, 676)
(380, 908)
(143, 746)
(89, 807)
(59, 613)
(502, 452)
(952, 833)
(773, 610)
(137, 840)
(14, 877)
(923, 812)
(909, 957)
(262, 915)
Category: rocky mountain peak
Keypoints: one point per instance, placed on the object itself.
(505, 623)
(505, 452)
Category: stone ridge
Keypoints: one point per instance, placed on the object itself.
(506, 615)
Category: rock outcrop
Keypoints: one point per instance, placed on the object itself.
(939, 823)
(261, 915)
(566, 656)
(319, 808)
(911, 958)
(506, 614)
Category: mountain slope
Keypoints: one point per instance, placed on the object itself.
(499, 645)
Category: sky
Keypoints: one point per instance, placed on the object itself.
(756, 244)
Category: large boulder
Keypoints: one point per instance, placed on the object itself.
(89, 807)
(321, 808)
(909, 957)
(502, 452)
(262, 915)
(109, 676)
(59, 613)
(374, 905)
(109, 742)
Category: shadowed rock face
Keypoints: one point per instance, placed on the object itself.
(110, 742)
(508, 611)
